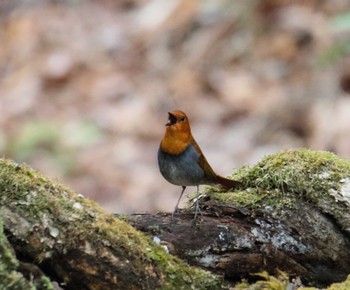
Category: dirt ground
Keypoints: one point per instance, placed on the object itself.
(85, 87)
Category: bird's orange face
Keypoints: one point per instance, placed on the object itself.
(178, 121)
(178, 133)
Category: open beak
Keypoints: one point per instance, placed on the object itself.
(171, 120)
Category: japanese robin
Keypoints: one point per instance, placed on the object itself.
(182, 162)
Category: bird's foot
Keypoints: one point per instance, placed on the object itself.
(197, 209)
(174, 212)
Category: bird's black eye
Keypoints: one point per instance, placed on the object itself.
(182, 118)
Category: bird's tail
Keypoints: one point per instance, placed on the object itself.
(227, 183)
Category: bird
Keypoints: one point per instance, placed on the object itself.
(181, 161)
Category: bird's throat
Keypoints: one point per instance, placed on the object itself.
(174, 144)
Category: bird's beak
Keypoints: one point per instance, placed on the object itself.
(171, 120)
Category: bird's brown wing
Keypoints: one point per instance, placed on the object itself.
(211, 176)
(209, 172)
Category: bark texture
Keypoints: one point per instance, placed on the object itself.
(238, 244)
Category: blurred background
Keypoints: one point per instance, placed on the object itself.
(85, 87)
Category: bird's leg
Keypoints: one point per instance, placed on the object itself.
(197, 204)
(177, 204)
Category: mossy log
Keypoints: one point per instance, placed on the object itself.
(292, 214)
(78, 244)
(13, 272)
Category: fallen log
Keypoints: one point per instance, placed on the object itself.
(292, 214)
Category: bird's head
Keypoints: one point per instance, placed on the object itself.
(178, 122)
(178, 133)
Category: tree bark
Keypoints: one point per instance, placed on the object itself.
(237, 242)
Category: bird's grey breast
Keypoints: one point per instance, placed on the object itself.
(182, 169)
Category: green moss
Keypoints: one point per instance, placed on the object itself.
(44, 283)
(181, 276)
(269, 283)
(9, 277)
(244, 285)
(8, 259)
(297, 171)
(273, 283)
(280, 179)
(281, 282)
